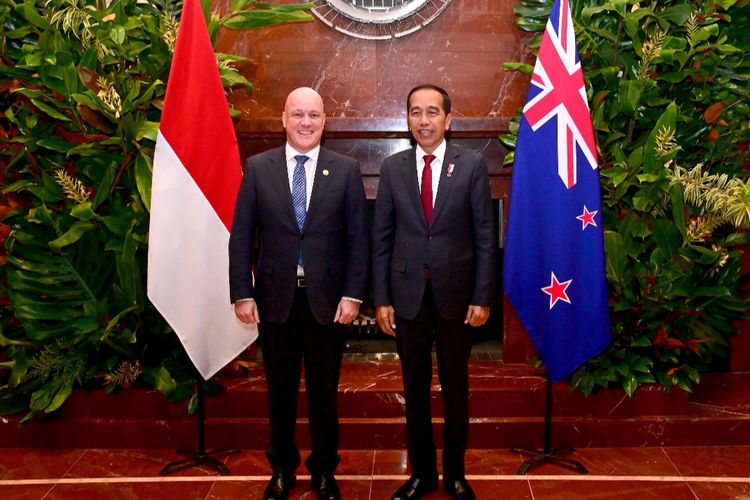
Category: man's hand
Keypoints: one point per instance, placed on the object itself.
(386, 317)
(247, 311)
(477, 315)
(346, 312)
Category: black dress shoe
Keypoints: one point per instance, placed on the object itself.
(279, 486)
(415, 487)
(325, 487)
(459, 489)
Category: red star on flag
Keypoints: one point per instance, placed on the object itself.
(557, 290)
(587, 218)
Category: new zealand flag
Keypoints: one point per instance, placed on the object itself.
(554, 270)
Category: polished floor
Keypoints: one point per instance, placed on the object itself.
(718, 472)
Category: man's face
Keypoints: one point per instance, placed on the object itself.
(303, 119)
(427, 120)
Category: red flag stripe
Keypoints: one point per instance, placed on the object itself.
(195, 99)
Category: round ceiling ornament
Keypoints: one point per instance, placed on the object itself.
(378, 19)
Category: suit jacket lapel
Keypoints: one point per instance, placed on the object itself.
(280, 181)
(446, 181)
(324, 170)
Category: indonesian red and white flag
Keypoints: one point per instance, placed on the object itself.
(196, 178)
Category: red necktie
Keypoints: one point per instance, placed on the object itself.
(426, 194)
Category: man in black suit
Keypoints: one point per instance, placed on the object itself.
(305, 205)
(433, 275)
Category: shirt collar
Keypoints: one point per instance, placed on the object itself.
(439, 152)
(312, 154)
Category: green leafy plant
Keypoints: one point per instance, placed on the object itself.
(82, 83)
(668, 87)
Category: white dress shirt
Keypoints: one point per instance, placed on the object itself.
(291, 164)
(310, 166)
(437, 167)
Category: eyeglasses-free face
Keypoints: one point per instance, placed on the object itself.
(427, 119)
(303, 119)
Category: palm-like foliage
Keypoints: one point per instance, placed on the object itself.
(82, 84)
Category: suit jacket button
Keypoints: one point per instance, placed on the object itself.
(429, 238)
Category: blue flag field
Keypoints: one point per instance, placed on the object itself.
(554, 271)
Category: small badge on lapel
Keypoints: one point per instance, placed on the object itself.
(325, 172)
(451, 166)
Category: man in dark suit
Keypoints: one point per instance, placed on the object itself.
(305, 207)
(433, 274)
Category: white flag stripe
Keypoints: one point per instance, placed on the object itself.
(188, 246)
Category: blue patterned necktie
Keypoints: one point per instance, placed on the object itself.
(299, 195)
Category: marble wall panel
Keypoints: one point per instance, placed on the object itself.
(462, 50)
(364, 84)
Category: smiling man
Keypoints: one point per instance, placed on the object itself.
(300, 220)
(433, 278)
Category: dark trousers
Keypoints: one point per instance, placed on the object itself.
(284, 348)
(453, 340)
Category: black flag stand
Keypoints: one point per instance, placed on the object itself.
(549, 455)
(200, 456)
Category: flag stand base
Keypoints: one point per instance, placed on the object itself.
(200, 456)
(554, 456)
